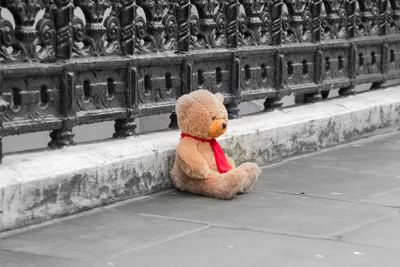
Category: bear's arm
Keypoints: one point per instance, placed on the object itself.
(190, 160)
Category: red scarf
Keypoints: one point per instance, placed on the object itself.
(219, 155)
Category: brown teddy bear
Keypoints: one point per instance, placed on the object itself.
(201, 166)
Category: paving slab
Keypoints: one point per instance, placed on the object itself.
(366, 156)
(366, 170)
(326, 182)
(269, 211)
(382, 233)
(98, 236)
(18, 259)
(225, 247)
(387, 198)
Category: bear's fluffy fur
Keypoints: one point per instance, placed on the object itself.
(202, 114)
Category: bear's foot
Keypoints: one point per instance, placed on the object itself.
(252, 171)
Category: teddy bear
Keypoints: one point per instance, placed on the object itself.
(201, 166)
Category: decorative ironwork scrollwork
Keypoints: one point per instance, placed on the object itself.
(4, 105)
(27, 42)
(208, 24)
(46, 42)
(95, 35)
(367, 18)
(393, 16)
(157, 27)
(8, 46)
(334, 19)
(297, 21)
(169, 36)
(255, 22)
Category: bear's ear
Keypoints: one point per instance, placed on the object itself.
(220, 97)
(183, 103)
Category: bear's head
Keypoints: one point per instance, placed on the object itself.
(202, 114)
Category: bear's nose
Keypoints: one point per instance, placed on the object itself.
(223, 125)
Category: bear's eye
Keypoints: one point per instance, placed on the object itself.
(213, 117)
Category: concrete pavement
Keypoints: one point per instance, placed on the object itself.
(338, 207)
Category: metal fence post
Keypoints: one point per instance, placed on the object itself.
(3, 107)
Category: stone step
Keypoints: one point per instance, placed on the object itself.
(39, 186)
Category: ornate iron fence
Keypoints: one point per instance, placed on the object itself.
(65, 63)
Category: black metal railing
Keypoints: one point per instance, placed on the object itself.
(65, 63)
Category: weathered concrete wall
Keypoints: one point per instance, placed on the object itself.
(38, 186)
(303, 129)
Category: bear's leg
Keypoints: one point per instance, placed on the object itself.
(223, 186)
(227, 185)
(215, 185)
(238, 180)
(252, 171)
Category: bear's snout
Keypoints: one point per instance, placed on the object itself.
(217, 128)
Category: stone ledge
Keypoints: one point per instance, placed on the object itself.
(38, 186)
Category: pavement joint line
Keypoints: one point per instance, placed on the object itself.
(272, 232)
(42, 255)
(295, 235)
(254, 229)
(327, 198)
(79, 214)
(381, 193)
(289, 234)
(366, 222)
(162, 241)
(249, 229)
(137, 199)
(174, 218)
(363, 139)
(365, 244)
(391, 166)
(238, 228)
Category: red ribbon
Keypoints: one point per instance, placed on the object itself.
(219, 155)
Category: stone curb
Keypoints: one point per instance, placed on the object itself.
(39, 186)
